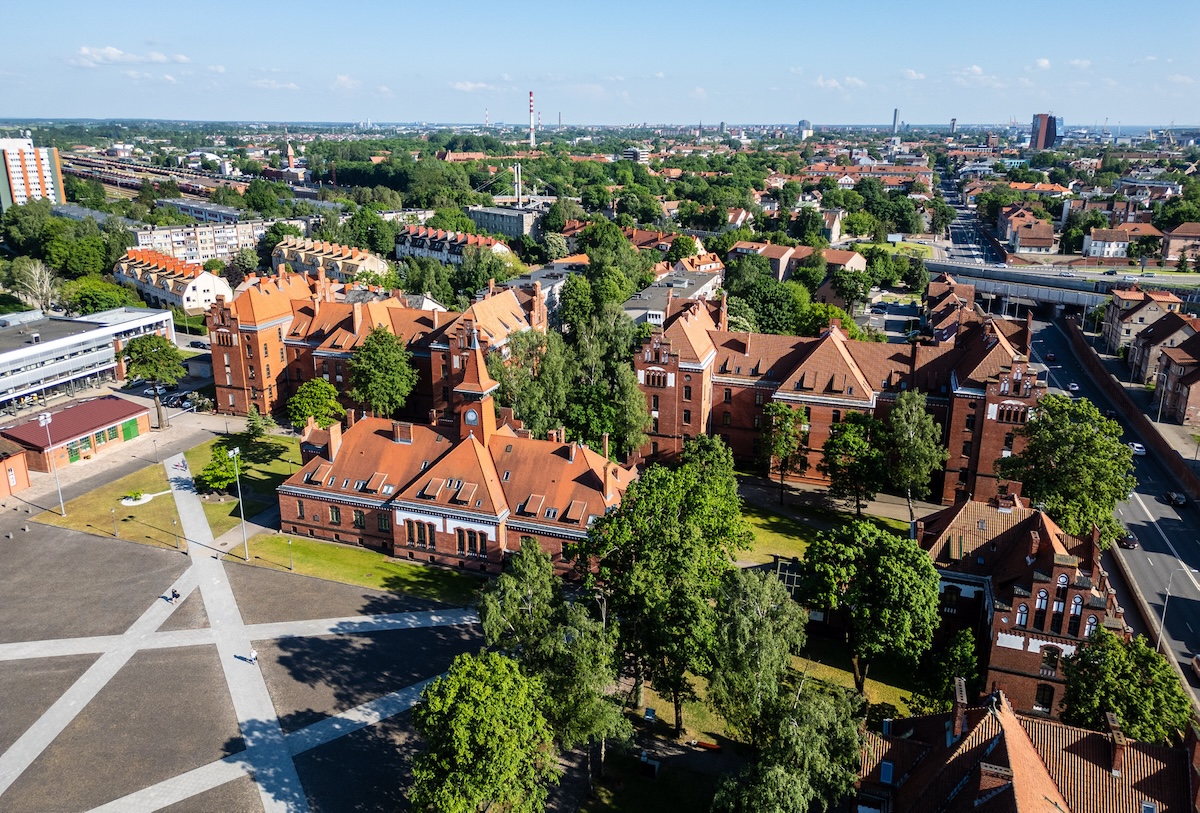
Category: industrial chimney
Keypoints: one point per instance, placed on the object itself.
(532, 137)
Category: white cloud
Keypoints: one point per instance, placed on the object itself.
(505, 77)
(854, 82)
(973, 75)
(217, 68)
(797, 71)
(384, 90)
(974, 70)
(169, 78)
(471, 87)
(344, 82)
(1081, 64)
(698, 93)
(827, 84)
(1180, 79)
(1042, 64)
(88, 57)
(909, 73)
(272, 84)
(659, 75)
(135, 74)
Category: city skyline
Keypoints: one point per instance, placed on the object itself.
(386, 64)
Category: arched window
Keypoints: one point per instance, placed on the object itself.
(1076, 614)
(1050, 658)
(1022, 615)
(1091, 626)
(1039, 615)
(1042, 598)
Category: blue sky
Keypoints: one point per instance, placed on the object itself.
(616, 62)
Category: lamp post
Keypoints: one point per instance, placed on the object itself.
(113, 511)
(44, 420)
(155, 442)
(1162, 622)
(291, 561)
(1162, 395)
(175, 528)
(233, 454)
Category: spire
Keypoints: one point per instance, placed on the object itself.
(476, 381)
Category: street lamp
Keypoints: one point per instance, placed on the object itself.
(1163, 620)
(155, 442)
(44, 420)
(233, 455)
(1162, 395)
(291, 561)
(175, 528)
(113, 511)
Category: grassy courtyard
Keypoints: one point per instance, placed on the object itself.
(151, 523)
(789, 534)
(359, 566)
(265, 463)
(909, 249)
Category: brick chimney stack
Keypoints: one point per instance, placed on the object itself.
(605, 442)
(1117, 738)
(402, 432)
(335, 439)
(960, 706)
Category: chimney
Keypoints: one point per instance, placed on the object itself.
(335, 440)
(609, 476)
(960, 706)
(402, 431)
(1117, 738)
(356, 313)
(433, 418)
(350, 418)
(552, 435)
(919, 530)
(1035, 541)
(605, 442)
(571, 452)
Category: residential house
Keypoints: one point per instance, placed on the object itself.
(1036, 237)
(1184, 237)
(1177, 390)
(738, 218)
(1013, 217)
(785, 259)
(652, 303)
(991, 758)
(831, 228)
(948, 306)
(165, 282)
(443, 246)
(335, 261)
(1145, 351)
(699, 378)
(460, 491)
(1030, 593)
(1106, 243)
(1040, 189)
(1132, 310)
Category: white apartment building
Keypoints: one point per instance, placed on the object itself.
(164, 282)
(28, 173)
(201, 242)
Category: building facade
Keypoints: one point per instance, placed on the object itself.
(511, 222)
(1044, 132)
(201, 242)
(28, 173)
(337, 262)
(1183, 238)
(443, 246)
(203, 211)
(79, 432)
(164, 282)
(1132, 310)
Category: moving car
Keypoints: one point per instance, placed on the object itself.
(198, 343)
(1127, 540)
(1051, 358)
(1066, 273)
(1112, 272)
(1138, 449)
(1175, 498)
(1129, 278)
(1073, 387)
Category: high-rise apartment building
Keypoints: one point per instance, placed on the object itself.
(28, 173)
(1044, 133)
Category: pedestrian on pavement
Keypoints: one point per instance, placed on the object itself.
(253, 655)
(174, 595)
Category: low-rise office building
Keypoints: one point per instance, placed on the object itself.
(503, 220)
(204, 211)
(79, 431)
(164, 282)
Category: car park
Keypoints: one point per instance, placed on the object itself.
(1138, 449)
(1073, 387)
(1175, 498)
(1127, 540)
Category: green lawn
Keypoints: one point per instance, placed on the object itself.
(625, 789)
(911, 249)
(366, 568)
(151, 523)
(777, 533)
(265, 464)
(887, 682)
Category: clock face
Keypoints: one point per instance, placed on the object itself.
(472, 418)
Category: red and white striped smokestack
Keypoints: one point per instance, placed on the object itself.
(532, 138)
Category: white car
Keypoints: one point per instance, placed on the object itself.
(1138, 449)
(1073, 387)
(157, 389)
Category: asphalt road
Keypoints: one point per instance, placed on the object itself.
(1168, 536)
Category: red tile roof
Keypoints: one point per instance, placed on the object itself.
(75, 421)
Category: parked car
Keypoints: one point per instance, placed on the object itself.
(172, 401)
(1138, 449)
(198, 343)
(1175, 498)
(1073, 387)
(136, 381)
(879, 309)
(157, 389)
(1110, 413)
(1127, 540)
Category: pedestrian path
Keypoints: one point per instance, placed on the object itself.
(268, 754)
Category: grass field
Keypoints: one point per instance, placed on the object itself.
(625, 789)
(366, 568)
(911, 249)
(265, 464)
(151, 523)
(776, 533)
(887, 682)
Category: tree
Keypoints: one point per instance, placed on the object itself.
(215, 266)
(659, 558)
(518, 610)
(257, 424)
(782, 443)
(1074, 463)
(1182, 265)
(219, 473)
(316, 399)
(35, 282)
(157, 360)
(555, 246)
(244, 264)
(1129, 679)
(451, 220)
(381, 372)
(914, 444)
(682, 246)
(92, 294)
(938, 671)
(487, 744)
(885, 587)
(853, 459)
(273, 237)
(535, 380)
(759, 628)
(852, 286)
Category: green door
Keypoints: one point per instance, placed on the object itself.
(73, 452)
(129, 429)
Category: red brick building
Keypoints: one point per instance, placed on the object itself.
(991, 759)
(78, 431)
(15, 467)
(1031, 593)
(699, 378)
(458, 491)
(279, 332)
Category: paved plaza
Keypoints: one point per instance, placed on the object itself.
(113, 698)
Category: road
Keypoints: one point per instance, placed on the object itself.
(1168, 535)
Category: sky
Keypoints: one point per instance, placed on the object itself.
(616, 62)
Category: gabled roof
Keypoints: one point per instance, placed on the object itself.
(1184, 230)
(74, 421)
(830, 369)
(1171, 323)
(464, 479)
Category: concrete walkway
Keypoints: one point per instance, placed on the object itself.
(268, 754)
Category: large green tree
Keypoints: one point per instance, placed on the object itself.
(92, 294)
(853, 459)
(782, 443)
(1074, 463)
(381, 372)
(885, 588)
(535, 380)
(657, 561)
(316, 399)
(244, 264)
(1129, 679)
(157, 360)
(487, 745)
(915, 449)
(938, 671)
(759, 629)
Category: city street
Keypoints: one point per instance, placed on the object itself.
(1168, 536)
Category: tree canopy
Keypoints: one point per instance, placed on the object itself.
(782, 444)
(853, 459)
(381, 372)
(316, 399)
(915, 448)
